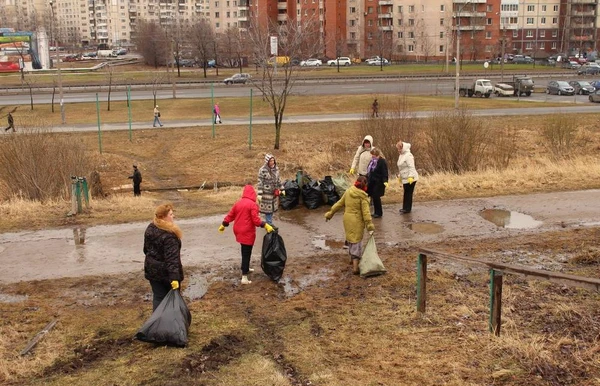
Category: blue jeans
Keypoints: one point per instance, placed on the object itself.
(269, 218)
(156, 120)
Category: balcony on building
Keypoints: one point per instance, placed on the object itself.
(469, 1)
(575, 24)
(282, 17)
(386, 28)
(385, 16)
(583, 2)
(243, 4)
(470, 14)
(281, 5)
(386, 2)
(581, 38)
(132, 9)
(471, 27)
(242, 18)
(584, 13)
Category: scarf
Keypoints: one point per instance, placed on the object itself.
(372, 165)
(168, 226)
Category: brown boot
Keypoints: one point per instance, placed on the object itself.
(355, 269)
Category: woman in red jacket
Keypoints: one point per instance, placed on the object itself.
(244, 215)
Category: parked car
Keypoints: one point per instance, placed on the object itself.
(595, 96)
(374, 59)
(571, 65)
(521, 59)
(503, 89)
(311, 63)
(379, 62)
(341, 61)
(187, 62)
(238, 78)
(590, 68)
(120, 51)
(89, 55)
(582, 87)
(559, 87)
(71, 58)
(595, 84)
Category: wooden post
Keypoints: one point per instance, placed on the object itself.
(495, 301)
(33, 342)
(421, 282)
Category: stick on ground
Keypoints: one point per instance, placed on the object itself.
(33, 342)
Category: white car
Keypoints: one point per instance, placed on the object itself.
(341, 61)
(311, 63)
(378, 62)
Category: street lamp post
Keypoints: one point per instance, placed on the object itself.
(60, 88)
(457, 81)
(503, 53)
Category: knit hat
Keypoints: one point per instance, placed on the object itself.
(268, 157)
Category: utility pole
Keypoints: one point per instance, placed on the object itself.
(60, 87)
(457, 80)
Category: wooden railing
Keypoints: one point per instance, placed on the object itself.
(496, 274)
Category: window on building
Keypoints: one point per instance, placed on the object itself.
(529, 46)
(531, 8)
(488, 34)
(353, 35)
(352, 10)
(411, 35)
(529, 33)
(530, 20)
(490, 8)
(400, 35)
(228, 15)
(542, 34)
(411, 21)
(400, 8)
(441, 48)
(442, 8)
(553, 45)
(217, 15)
(399, 21)
(352, 23)
(543, 8)
(370, 23)
(216, 4)
(555, 8)
(543, 20)
(217, 24)
(515, 33)
(441, 34)
(554, 33)
(441, 21)
(370, 10)
(411, 8)
(555, 20)
(488, 48)
(488, 21)
(411, 48)
(542, 46)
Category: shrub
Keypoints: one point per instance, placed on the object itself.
(560, 134)
(38, 165)
(457, 142)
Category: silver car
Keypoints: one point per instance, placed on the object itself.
(311, 63)
(559, 87)
(595, 96)
(238, 78)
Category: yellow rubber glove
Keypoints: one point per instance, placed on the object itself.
(351, 170)
(282, 193)
(410, 180)
(268, 228)
(385, 184)
(175, 284)
(221, 228)
(258, 199)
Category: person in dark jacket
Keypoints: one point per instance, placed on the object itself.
(162, 247)
(137, 180)
(244, 215)
(377, 177)
(11, 123)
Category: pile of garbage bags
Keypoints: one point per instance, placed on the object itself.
(314, 193)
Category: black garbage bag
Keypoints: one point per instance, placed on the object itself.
(273, 256)
(169, 323)
(292, 195)
(312, 195)
(328, 189)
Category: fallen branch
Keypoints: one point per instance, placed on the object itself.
(33, 342)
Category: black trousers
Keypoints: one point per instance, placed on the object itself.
(377, 209)
(408, 196)
(246, 255)
(137, 191)
(160, 289)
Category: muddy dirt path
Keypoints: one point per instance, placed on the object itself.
(114, 249)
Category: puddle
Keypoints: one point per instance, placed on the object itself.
(12, 298)
(320, 242)
(426, 227)
(509, 219)
(294, 287)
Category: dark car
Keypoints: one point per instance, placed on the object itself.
(582, 87)
(588, 70)
(237, 78)
(595, 84)
(520, 59)
(187, 62)
(559, 87)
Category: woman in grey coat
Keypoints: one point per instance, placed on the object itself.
(269, 188)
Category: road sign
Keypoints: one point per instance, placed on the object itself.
(274, 45)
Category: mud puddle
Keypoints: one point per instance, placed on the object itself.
(292, 287)
(510, 219)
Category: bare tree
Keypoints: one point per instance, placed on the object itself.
(109, 77)
(150, 41)
(177, 33)
(157, 79)
(201, 37)
(276, 83)
(232, 48)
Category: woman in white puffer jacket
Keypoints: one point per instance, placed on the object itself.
(408, 175)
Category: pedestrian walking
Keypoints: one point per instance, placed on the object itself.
(162, 247)
(269, 188)
(11, 123)
(377, 181)
(245, 218)
(375, 109)
(137, 180)
(157, 117)
(408, 176)
(362, 157)
(357, 217)
(217, 113)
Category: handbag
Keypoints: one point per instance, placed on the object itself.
(159, 114)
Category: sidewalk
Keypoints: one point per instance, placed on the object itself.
(291, 119)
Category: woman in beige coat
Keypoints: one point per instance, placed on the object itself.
(357, 216)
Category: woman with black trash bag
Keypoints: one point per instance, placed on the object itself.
(377, 177)
(162, 247)
(357, 216)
